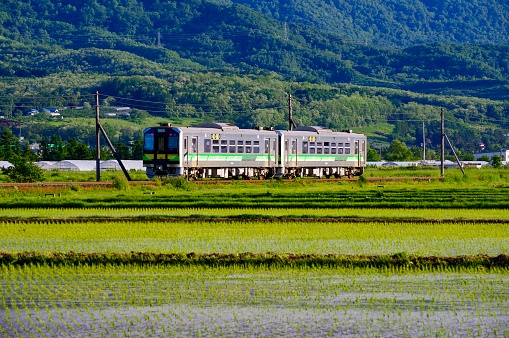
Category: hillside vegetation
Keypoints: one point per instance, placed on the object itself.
(187, 61)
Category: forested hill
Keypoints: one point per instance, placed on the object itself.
(42, 36)
(399, 23)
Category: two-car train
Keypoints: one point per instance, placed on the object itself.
(221, 150)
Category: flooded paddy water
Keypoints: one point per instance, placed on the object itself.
(199, 301)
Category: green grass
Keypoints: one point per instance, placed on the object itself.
(293, 195)
(254, 213)
(202, 301)
(370, 238)
(166, 267)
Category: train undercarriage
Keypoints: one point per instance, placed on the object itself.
(263, 173)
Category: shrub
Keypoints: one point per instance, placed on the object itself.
(179, 183)
(23, 170)
(120, 182)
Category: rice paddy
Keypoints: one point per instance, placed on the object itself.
(301, 260)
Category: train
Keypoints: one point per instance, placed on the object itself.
(223, 150)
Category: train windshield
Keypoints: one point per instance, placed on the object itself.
(173, 143)
(148, 142)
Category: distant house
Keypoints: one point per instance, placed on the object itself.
(50, 110)
(123, 109)
(31, 112)
(56, 115)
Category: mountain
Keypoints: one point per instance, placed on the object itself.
(396, 23)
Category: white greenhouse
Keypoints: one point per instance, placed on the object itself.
(128, 165)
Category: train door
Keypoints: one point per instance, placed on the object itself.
(290, 152)
(190, 159)
(193, 151)
(160, 154)
(363, 153)
(359, 152)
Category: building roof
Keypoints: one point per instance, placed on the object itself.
(128, 165)
(75, 165)
(88, 165)
(5, 164)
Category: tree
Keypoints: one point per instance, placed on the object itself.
(53, 150)
(78, 151)
(373, 155)
(496, 161)
(9, 145)
(398, 151)
(23, 170)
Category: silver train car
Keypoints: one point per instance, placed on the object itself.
(221, 150)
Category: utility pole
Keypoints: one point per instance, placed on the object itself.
(98, 130)
(158, 39)
(291, 124)
(286, 32)
(97, 140)
(442, 138)
(423, 143)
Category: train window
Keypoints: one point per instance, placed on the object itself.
(347, 148)
(248, 149)
(194, 141)
(326, 144)
(149, 142)
(224, 149)
(340, 145)
(294, 146)
(232, 142)
(312, 150)
(207, 146)
(333, 150)
(356, 148)
(215, 141)
(232, 149)
(240, 142)
(267, 145)
(256, 147)
(224, 142)
(248, 143)
(240, 149)
(319, 150)
(215, 149)
(326, 150)
(333, 144)
(305, 147)
(340, 150)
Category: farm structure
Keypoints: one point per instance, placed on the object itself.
(221, 150)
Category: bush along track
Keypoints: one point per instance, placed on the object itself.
(403, 260)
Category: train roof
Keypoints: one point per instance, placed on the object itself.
(218, 125)
(231, 127)
(315, 129)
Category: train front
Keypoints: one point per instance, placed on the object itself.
(161, 151)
